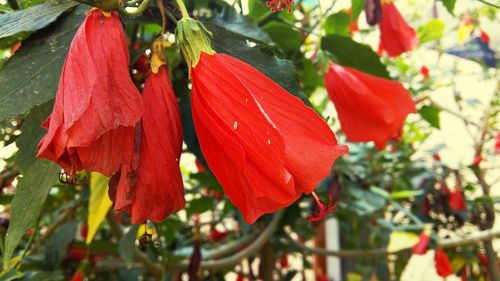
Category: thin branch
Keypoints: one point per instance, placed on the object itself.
(489, 4)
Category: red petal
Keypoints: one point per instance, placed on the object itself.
(442, 263)
(369, 108)
(95, 98)
(396, 36)
(159, 188)
(421, 247)
(256, 137)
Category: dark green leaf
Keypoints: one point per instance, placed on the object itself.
(32, 75)
(260, 56)
(431, 115)
(34, 18)
(432, 30)
(449, 5)
(337, 23)
(348, 52)
(58, 243)
(11, 275)
(127, 244)
(287, 38)
(199, 205)
(240, 24)
(34, 186)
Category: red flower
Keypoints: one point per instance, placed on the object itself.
(421, 247)
(284, 261)
(322, 277)
(78, 276)
(240, 277)
(280, 4)
(218, 235)
(369, 108)
(456, 199)
(97, 105)
(396, 36)
(484, 37)
(442, 263)
(497, 143)
(263, 145)
(152, 188)
(84, 230)
(477, 160)
(323, 208)
(425, 72)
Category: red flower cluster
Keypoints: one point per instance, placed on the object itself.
(97, 105)
(369, 108)
(263, 145)
(93, 123)
(278, 5)
(396, 36)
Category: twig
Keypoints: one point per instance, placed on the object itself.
(490, 4)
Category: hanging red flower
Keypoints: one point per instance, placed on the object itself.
(477, 160)
(497, 143)
(396, 36)
(97, 105)
(442, 263)
(152, 188)
(425, 72)
(484, 37)
(263, 145)
(456, 200)
(78, 276)
(369, 108)
(423, 242)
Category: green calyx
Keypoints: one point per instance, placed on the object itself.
(193, 38)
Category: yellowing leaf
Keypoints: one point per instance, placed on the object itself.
(99, 204)
(400, 240)
(464, 31)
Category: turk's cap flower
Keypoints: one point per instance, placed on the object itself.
(442, 263)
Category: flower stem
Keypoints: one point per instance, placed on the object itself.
(184, 11)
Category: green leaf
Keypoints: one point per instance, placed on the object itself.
(357, 7)
(449, 5)
(432, 30)
(199, 205)
(337, 23)
(431, 115)
(34, 18)
(11, 275)
(287, 38)
(31, 76)
(404, 194)
(240, 24)
(260, 56)
(126, 248)
(33, 188)
(348, 52)
(58, 243)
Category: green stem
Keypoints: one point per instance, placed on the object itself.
(184, 11)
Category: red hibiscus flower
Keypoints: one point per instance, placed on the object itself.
(369, 108)
(396, 36)
(456, 200)
(97, 105)
(477, 160)
(442, 263)
(152, 188)
(421, 247)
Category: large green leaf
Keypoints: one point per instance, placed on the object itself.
(34, 186)
(337, 23)
(34, 18)
(449, 5)
(240, 24)
(260, 56)
(348, 52)
(58, 243)
(126, 248)
(32, 75)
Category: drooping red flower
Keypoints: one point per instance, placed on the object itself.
(396, 36)
(322, 208)
(423, 241)
(484, 37)
(497, 143)
(477, 160)
(442, 263)
(263, 145)
(240, 277)
(78, 276)
(97, 105)
(218, 235)
(456, 200)
(278, 5)
(284, 261)
(369, 108)
(151, 188)
(425, 72)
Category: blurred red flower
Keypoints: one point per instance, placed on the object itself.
(263, 145)
(278, 5)
(369, 108)
(78, 276)
(396, 36)
(484, 37)
(456, 199)
(477, 160)
(425, 72)
(152, 188)
(421, 247)
(497, 143)
(97, 105)
(442, 263)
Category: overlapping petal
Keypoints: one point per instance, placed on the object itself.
(369, 108)
(264, 145)
(97, 104)
(396, 35)
(153, 189)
